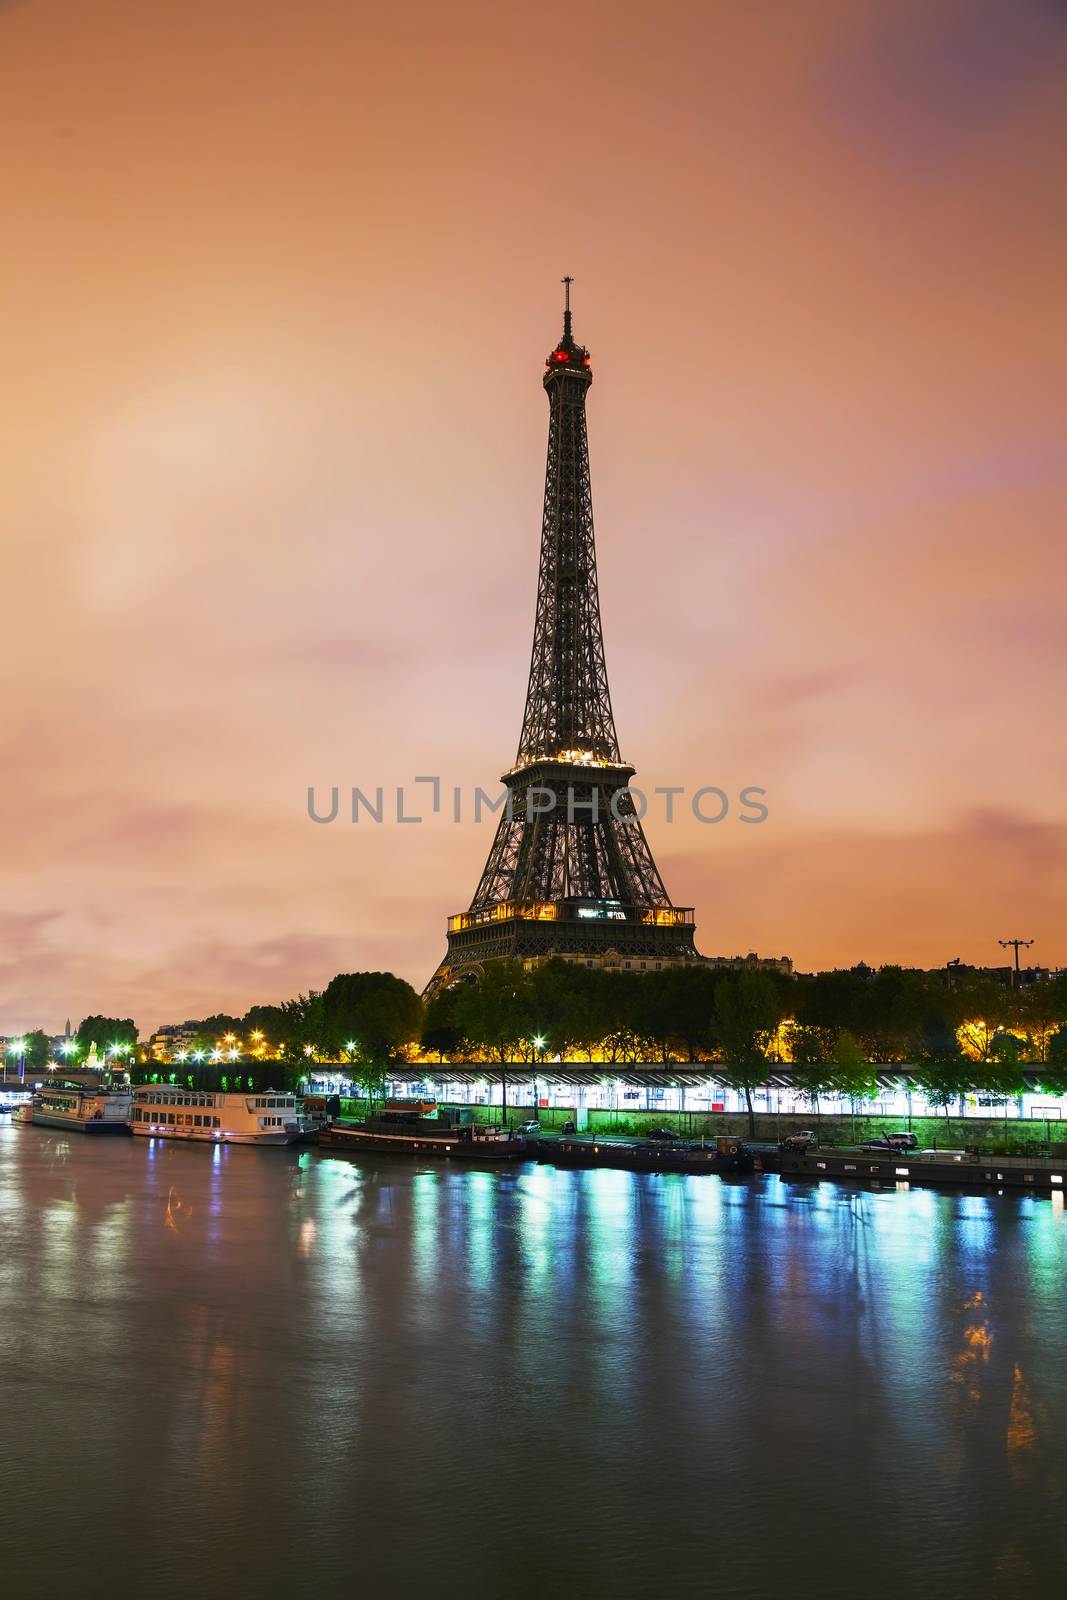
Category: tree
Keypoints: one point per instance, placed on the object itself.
(104, 1032)
(1054, 1072)
(811, 1072)
(1005, 1049)
(370, 1078)
(945, 1072)
(36, 1048)
(1040, 1009)
(654, 1018)
(896, 1004)
(671, 1010)
(852, 1073)
(829, 1002)
(592, 999)
(439, 1031)
(814, 1079)
(304, 1025)
(943, 1081)
(983, 1006)
(559, 995)
(266, 1021)
(691, 997)
(370, 1016)
(218, 1026)
(621, 992)
(495, 1014)
(748, 1008)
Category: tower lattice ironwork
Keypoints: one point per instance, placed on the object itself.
(570, 871)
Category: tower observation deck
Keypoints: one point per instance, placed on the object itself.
(570, 872)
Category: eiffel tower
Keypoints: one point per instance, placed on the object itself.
(570, 872)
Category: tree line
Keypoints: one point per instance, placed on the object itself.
(832, 1029)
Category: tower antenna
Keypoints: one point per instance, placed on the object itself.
(568, 339)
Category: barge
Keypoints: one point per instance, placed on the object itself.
(406, 1130)
(968, 1168)
(717, 1155)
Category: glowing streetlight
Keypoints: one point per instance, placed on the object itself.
(17, 1047)
(198, 1055)
(233, 1054)
(70, 1048)
(181, 1055)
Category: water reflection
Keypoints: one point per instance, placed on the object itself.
(640, 1369)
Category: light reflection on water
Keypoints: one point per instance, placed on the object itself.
(640, 1382)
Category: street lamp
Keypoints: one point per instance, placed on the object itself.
(17, 1047)
(539, 1046)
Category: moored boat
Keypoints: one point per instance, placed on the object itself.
(96, 1111)
(404, 1129)
(717, 1155)
(165, 1111)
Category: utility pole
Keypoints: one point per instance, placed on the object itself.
(1013, 944)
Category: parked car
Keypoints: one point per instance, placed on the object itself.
(661, 1133)
(891, 1142)
(568, 1127)
(529, 1130)
(799, 1142)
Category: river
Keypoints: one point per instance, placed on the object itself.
(268, 1372)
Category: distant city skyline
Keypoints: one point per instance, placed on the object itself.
(273, 445)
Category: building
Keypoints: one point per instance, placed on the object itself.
(171, 1037)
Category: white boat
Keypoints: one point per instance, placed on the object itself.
(164, 1111)
(84, 1110)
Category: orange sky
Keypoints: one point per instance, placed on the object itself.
(278, 284)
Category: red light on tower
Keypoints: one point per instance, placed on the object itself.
(559, 355)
